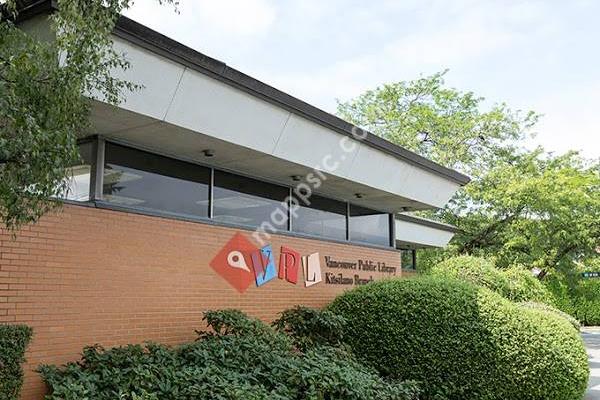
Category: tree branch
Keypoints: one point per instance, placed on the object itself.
(481, 238)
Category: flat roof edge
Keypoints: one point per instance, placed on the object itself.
(427, 222)
(131, 30)
(152, 40)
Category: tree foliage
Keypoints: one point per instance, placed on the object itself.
(523, 207)
(440, 123)
(46, 81)
(534, 209)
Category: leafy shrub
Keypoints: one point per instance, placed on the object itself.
(239, 358)
(523, 286)
(586, 301)
(560, 290)
(554, 311)
(232, 322)
(13, 343)
(463, 341)
(576, 296)
(310, 327)
(516, 284)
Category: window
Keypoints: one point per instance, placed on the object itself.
(324, 217)
(80, 174)
(369, 226)
(247, 201)
(137, 178)
(408, 259)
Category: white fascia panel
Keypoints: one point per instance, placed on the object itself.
(208, 106)
(157, 76)
(193, 100)
(421, 235)
(383, 171)
(307, 143)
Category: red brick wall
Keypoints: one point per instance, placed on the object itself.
(86, 275)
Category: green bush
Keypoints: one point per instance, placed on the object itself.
(554, 311)
(586, 301)
(516, 284)
(13, 343)
(576, 296)
(463, 341)
(310, 327)
(561, 292)
(239, 358)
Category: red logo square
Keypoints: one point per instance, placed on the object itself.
(234, 263)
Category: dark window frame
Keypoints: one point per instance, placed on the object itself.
(413, 255)
(317, 198)
(96, 189)
(277, 199)
(185, 186)
(390, 237)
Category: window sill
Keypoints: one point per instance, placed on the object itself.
(187, 218)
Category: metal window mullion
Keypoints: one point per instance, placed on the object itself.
(289, 213)
(98, 179)
(392, 230)
(211, 191)
(347, 221)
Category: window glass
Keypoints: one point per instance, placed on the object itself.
(140, 179)
(408, 259)
(247, 201)
(369, 226)
(79, 175)
(324, 217)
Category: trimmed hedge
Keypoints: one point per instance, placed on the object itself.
(554, 311)
(462, 341)
(515, 283)
(239, 358)
(13, 343)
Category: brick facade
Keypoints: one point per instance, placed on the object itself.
(86, 275)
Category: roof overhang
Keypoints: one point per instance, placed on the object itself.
(191, 102)
(414, 232)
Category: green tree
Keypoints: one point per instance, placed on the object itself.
(440, 123)
(535, 209)
(522, 207)
(46, 82)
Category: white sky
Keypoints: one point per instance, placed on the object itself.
(534, 55)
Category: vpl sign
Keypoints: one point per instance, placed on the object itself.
(241, 264)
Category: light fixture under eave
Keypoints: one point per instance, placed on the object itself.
(296, 178)
(359, 195)
(208, 152)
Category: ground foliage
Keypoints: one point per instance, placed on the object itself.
(237, 358)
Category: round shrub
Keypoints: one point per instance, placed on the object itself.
(515, 283)
(524, 286)
(477, 270)
(463, 341)
(554, 311)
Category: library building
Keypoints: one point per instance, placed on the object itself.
(208, 189)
